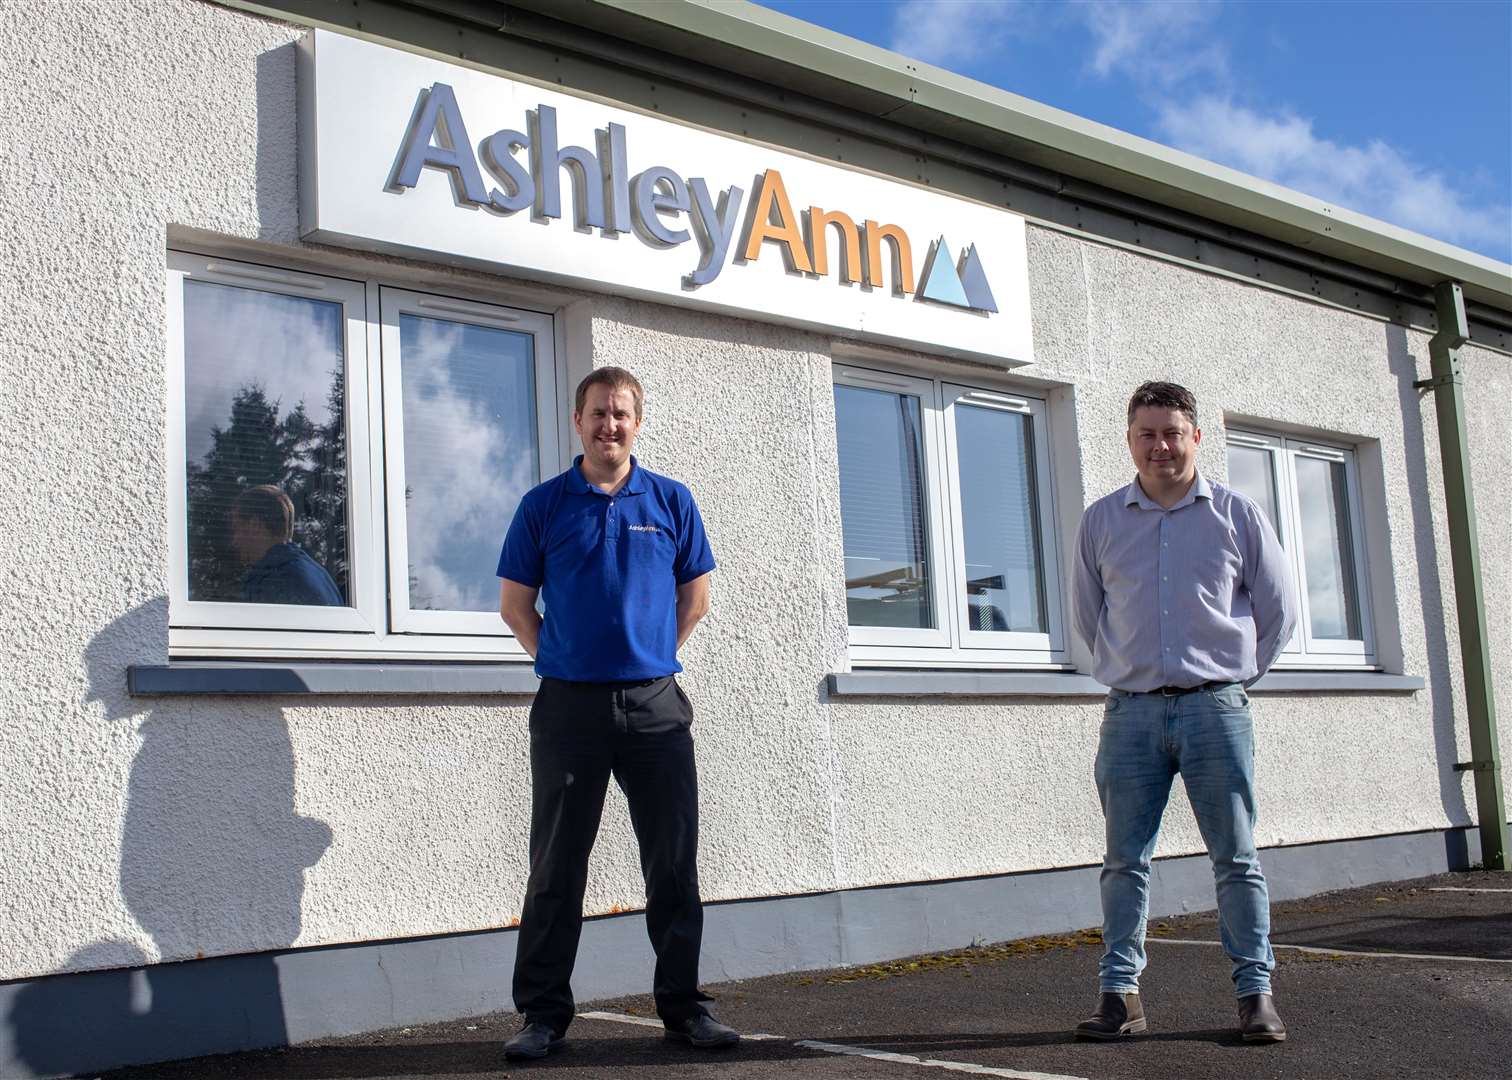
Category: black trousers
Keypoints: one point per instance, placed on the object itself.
(580, 734)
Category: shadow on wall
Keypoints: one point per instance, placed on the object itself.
(1430, 586)
(277, 167)
(212, 853)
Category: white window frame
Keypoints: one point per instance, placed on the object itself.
(1003, 644)
(953, 644)
(366, 629)
(394, 303)
(364, 614)
(902, 637)
(1303, 650)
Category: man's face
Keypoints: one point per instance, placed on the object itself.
(1163, 443)
(608, 426)
(249, 539)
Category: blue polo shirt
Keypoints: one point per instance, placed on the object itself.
(608, 567)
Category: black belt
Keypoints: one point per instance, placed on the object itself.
(1179, 691)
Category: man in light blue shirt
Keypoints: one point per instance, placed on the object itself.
(1182, 590)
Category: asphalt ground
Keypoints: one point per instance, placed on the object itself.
(1412, 979)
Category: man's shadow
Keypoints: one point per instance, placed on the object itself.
(213, 856)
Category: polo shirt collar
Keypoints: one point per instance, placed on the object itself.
(635, 483)
(1134, 495)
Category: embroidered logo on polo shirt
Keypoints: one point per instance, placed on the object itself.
(644, 528)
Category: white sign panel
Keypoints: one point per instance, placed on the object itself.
(406, 154)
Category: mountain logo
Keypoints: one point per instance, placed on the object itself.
(958, 285)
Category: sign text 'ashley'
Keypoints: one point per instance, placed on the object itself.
(649, 204)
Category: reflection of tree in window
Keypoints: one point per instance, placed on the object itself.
(304, 459)
(248, 351)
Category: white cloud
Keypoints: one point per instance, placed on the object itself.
(1177, 57)
(1159, 43)
(955, 33)
(1373, 177)
(235, 337)
(469, 454)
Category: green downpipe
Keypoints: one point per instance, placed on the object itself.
(1475, 649)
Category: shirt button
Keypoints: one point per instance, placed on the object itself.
(1166, 612)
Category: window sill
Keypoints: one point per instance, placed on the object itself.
(198, 678)
(1329, 682)
(882, 683)
(1039, 684)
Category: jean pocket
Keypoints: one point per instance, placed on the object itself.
(1231, 697)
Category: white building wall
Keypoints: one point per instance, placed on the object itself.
(139, 830)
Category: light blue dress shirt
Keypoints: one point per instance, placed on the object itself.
(1198, 593)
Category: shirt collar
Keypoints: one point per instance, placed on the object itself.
(578, 483)
(1134, 495)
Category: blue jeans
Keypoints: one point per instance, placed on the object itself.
(1207, 737)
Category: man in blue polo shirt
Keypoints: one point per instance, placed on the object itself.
(620, 558)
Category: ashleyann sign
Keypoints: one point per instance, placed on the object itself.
(405, 154)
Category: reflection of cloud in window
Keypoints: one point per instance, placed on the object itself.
(1325, 534)
(235, 337)
(469, 455)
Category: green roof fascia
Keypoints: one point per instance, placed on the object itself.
(757, 41)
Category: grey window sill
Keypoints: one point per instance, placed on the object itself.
(1364, 682)
(215, 677)
(885, 683)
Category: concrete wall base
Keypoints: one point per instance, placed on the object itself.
(71, 1023)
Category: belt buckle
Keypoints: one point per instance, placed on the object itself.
(1171, 691)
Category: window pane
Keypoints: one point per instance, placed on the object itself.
(1000, 525)
(882, 508)
(265, 442)
(470, 453)
(1328, 549)
(1252, 473)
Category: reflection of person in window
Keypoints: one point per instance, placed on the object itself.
(278, 572)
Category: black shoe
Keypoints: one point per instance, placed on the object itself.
(704, 1032)
(535, 1040)
(1117, 1015)
(1258, 1021)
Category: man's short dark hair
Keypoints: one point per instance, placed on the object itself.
(269, 508)
(616, 378)
(1164, 395)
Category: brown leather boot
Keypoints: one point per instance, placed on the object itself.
(1117, 1015)
(1258, 1021)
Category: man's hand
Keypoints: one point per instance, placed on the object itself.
(692, 605)
(517, 608)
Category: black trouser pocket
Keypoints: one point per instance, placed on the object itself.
(657, 706)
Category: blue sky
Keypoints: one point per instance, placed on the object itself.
(1402, 111)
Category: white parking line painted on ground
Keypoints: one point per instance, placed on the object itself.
(860, 1051)
(1465, 888)
(1354, 952)
(647, 1021)
(931, 1063)
(621, 1018)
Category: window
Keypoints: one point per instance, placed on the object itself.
(346, 458)
(1310, 491)
(944, 503)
